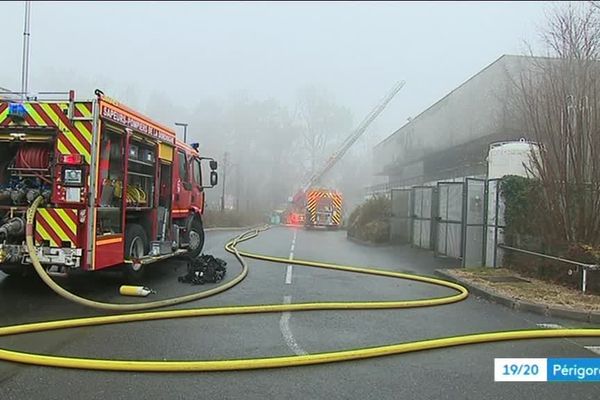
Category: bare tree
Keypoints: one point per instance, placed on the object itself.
(261, 140)
(322, 122)
(560, 98)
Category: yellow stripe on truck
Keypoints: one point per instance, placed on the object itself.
(66, 134)
(68, 219)
(84, 131)
(56, 228)
(85, 112)
(45, 235)
(33, 114)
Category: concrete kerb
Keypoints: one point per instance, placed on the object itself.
(535, 308)
(542, 309)
(595, 317)
(562, 312)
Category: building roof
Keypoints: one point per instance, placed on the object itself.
(424, 112)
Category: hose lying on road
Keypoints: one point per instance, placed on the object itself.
(270, 362)
(116, 306)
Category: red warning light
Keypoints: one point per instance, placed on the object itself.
(70, 159)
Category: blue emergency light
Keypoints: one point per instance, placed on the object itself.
(17, 111)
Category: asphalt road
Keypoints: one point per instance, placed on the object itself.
(457, 373)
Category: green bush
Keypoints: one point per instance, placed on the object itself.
(529, 226)
(522, 207)
(370, 220)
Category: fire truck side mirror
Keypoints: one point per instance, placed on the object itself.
(213, 177)
(213, 166)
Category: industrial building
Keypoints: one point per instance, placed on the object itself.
(451, 138)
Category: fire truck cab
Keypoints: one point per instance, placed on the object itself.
(118, 188)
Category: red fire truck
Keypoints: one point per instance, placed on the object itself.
(323, 208)
(119, 189)
(317, 207)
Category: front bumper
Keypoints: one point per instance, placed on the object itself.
(18, 254)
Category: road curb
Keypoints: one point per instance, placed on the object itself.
(520, 305)
(595, 317)
(568, 313)
(535, 308)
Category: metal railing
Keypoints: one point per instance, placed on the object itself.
(585, 267)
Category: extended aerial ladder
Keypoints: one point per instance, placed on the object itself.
(354, 136)
(299, 199)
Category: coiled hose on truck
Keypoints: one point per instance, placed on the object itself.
(254, 363)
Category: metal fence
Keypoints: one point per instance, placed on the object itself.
(450, 219)
(401, 220)
(423, 202)
(462, 220)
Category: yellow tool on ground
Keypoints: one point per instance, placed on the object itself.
(254, 363)
(137, 291)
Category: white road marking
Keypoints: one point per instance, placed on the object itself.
(593, 349)
(284, 327)
(288, 274)
(549, 326)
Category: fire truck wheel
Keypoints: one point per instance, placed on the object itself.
(195, 238)
(136, 246)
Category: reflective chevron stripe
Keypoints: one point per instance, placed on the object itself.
(56, 226)
(74, 137)
(312, 201)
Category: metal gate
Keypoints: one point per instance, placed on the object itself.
(494, 224)
(422, 216)
(400, 229)
(449, 219)
(475, 222)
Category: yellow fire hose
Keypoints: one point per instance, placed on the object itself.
(254, 363)
(115, 306)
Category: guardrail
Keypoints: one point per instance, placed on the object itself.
(585, 267)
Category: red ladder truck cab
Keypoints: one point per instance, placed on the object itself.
(118, 188)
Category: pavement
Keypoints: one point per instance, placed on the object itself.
(490, 294)
(462, 372)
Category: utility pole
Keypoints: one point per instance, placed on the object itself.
(223, 183)
(25, 65)
(184, 130)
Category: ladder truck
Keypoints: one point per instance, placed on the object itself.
(317, 206)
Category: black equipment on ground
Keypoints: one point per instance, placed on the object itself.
(204, 269)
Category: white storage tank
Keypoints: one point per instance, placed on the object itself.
(504, 158)
(510, 158)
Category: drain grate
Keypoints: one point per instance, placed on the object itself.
(505, 279)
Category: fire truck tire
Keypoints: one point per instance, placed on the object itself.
(195, 238)
(136, 246)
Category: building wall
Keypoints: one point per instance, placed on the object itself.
(451, 137)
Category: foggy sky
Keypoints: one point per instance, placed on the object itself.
(186, 52)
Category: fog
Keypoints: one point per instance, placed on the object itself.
(276, 85)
